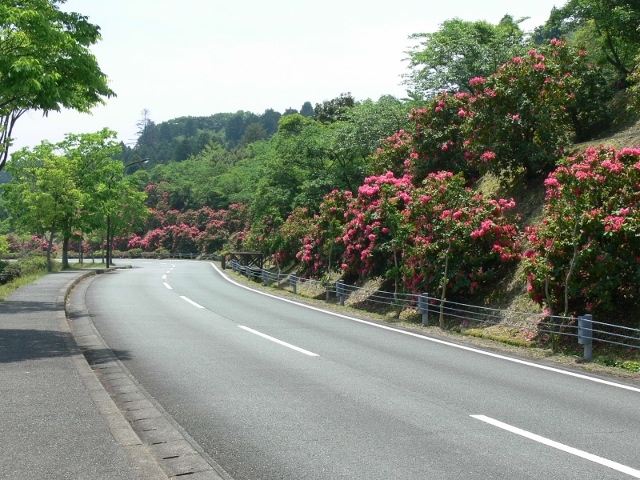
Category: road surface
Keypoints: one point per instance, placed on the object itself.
(272, 389)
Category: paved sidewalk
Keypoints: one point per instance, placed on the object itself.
(57, 422)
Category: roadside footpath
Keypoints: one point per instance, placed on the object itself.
(57, 419)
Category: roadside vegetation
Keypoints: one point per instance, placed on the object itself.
(509, 177)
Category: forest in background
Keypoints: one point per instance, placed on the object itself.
(478, 174)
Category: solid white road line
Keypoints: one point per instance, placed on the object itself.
(188, 300)
(560, 446)
(279, 342)
(436, 340)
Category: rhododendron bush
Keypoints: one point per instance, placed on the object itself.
(517, 121)
(375, 228)
(194, 231)
(586, 252)
(322, 244)
(519, 116)
(412, 234)
(457, 235)
(437, 141)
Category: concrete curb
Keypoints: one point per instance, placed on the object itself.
(143, 462)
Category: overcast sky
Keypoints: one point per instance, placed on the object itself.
(200, 57)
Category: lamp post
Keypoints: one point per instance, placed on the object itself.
(109, 260)
(137, 162)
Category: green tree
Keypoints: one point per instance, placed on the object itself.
(613, 24)
(42, 194)
(100, 177)
(253, 133)
(459, 51)
(307, 110)
(118, 204)
(334, 109)
(73, 187)
(45, 63)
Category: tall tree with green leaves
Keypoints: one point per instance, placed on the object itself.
(334, 109)
(611, 24)
(100, 177)
(74, 186)
(307, 110)
(45, 63)
(43, 194)
(460, 50)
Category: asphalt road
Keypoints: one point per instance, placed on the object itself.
(272, 389)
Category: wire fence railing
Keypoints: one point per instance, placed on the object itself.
(582, 329)
(541, 325)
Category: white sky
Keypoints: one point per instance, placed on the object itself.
(200, 57)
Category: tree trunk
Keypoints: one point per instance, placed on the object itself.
(444, 284)
(572, 265)
(328, 292)
(65, 252)
(108, 256)
(49, 247)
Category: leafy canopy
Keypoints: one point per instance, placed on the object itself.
(45, 63)
(459, 51)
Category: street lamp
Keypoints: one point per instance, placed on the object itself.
(137, 162)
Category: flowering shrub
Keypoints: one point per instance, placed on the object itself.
(519, 118)
(184, 238)
(439, 141)
(292, 235)
(193, 231)
(323, 243)
(393, 153)
(457, 234)
(158, 238)
(585, 253)
(376, 226)
(38, 245)
(415, 235)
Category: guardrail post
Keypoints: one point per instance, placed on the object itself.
(585, 335)
(340, 291)
(223, 262)
(293, 281)
(265, 277)
(423, 308)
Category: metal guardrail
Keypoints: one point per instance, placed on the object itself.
(468, 315)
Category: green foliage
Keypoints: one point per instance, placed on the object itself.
(73, 186)
(634, 90)
(611, 25)
(45, 63)
(519, 120)
(460, 50)
(42, 193)
(11, 271)
(334, 109)
(4, 246)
